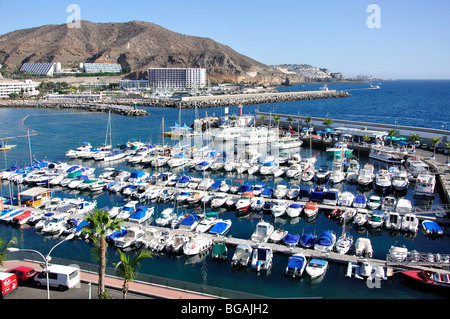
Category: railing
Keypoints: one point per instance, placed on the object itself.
(150, 279)
(421, 259)
(432, 209)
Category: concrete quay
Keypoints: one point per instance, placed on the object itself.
(232, 99)
(76, 105)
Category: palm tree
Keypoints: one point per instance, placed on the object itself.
(128, 270)
(100, 224)
(327, 122)
(434, 142)
(391, 133)
(3, 247)
(308, 119)
(276, 119)
(262, 117)
(414, 137)
(291, 120)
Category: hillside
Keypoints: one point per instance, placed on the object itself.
(137, 45)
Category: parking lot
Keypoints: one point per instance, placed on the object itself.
(85, 291)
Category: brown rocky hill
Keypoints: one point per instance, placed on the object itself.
(137, 45)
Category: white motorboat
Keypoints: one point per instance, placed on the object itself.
(346, 199)
(294, 171)
(219, 200)
(376, 219)
(151, 234)
(383, 180)
(197, 245)
(206, 224)
(311, 209)
(262, 232)
(316, 268)
(366, 175)
(141, 214)
(352, 170)
(293, 192)
(425, 185)
(400, 181)
(398, 253)
(323, 173)
(127, 210)
(280, 191)
(403, 206)
(374, 202)
(389, 203)
(410, 223)
(360, 201)
(361, 218)
(363, 247)
(165, 217)
(132, 235)
(176, 243)
(262, 258)
(393, 221)
(195, 197)
(308, 174)
(278, 235)
(344, 243)
(279, 208)
(242, 255)
(294, 209)
(296, 265)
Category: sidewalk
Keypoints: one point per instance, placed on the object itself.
(152, 291)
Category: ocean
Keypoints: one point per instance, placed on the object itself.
(404, 102)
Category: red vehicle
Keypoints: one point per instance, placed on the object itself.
(8, 283)
(23, 273)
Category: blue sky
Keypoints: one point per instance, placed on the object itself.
(412, 41)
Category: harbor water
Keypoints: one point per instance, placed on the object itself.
(53, 132)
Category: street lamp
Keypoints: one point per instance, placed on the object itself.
(46, 258)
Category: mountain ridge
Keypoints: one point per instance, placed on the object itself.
(138, 45)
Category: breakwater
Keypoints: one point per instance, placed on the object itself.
(76, 105)
(233, 99)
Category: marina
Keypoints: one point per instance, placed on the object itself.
(242, 227)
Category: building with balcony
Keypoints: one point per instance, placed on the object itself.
(177, 78)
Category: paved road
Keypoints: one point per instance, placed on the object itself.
(85, 291)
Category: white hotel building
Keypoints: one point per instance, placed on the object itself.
(11, 86)
(177, 78)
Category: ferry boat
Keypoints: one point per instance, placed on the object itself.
(425, 185)
(387, 154)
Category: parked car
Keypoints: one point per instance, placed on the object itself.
(61, 277)
(23, 273)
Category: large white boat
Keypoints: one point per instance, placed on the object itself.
(425, 185)
(366, 175)
(389, 155)
(197, 245)
(339, 149)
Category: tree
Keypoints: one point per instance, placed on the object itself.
(447, 147)
(128, 270)
(100, 224)
(414, 137)
(291, 119)
(276, 119)
(263, 117)
(434, 142)
(327, 122)
(3, 247)
(308, 119)
(392, 133)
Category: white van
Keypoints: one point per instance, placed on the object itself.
(62, 277)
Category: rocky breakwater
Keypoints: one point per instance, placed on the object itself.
(234, 99)
(76, 105)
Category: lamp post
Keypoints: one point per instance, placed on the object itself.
(46, 258)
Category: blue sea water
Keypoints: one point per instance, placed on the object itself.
(404, 102)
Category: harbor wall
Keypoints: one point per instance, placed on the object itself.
(75, 105)
(232, 99)
(317, 123)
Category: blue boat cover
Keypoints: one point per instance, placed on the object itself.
(81, 225)
(137, 174)
(217, 184)
(291, 239)
(118, 233)
(432, 226)
(294, 205)
(184, 179)
(296, 262)
(325, 239)
(308, 239)
(359, 199)
(245, 188)
(139, 213)
(219, 228)
(267, 191)
(189, 220)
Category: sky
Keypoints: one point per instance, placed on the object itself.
(393, 39)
